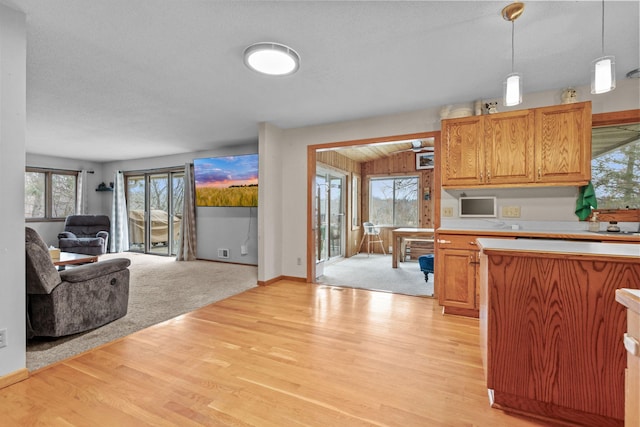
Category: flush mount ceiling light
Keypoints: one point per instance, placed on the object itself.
(513, 82)
(603, 69)
(274, 59)
(634, 74)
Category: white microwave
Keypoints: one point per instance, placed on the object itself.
(478, 207)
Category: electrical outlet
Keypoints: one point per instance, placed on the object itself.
(243, 250)
(447, 211)
(3, 338)
(223, 253)
(299, 261)
(511, 211)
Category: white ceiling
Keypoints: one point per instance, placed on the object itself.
(123, 79)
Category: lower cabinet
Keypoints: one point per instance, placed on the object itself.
(457, 273)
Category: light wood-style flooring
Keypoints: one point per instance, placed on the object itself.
(288, 354)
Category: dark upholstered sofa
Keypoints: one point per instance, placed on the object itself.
(72, 300)
(85, 234)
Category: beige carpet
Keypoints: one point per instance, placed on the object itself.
(375, 272)
(160, 289)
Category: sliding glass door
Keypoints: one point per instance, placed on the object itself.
(154, 204)
(330, 208)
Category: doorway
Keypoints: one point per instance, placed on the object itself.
(357, 158)
(330, 214)
(154, 207)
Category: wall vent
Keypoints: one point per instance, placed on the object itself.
(223, 253)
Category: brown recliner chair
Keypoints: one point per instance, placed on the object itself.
(85, 234)
(73, 300)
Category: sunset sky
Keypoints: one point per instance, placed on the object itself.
(222, 172)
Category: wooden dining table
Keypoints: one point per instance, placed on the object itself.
(400, 234)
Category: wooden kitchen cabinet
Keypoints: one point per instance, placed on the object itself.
(543, 146)
(563, 144)
(457, 274)
(508, 144)
(463, 155)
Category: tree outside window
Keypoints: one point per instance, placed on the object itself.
(34, 194)
(394, 201)
(49, 194)
(63, 195)
(616, 177)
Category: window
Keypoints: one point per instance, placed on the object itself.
(394, 201)
(355, 202)
(616, 172)
(49, 194)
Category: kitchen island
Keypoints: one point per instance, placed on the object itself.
(551, 328)
(457, 276)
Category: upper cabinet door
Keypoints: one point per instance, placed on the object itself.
(563, 142)
(509, 154)
(462, 156)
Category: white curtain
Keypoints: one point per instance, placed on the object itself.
(119, 224)
(82, 193)
(187, 244)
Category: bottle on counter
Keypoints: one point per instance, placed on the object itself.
(594, 224)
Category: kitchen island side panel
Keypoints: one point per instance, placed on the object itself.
(553, 333)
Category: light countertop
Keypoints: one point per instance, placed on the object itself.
(611, 250)
(544, 233)
(630, 298)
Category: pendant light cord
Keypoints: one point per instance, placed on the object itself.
(602, 27)
(513, 25)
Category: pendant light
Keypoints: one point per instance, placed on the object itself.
(513, 82)
(603, 69)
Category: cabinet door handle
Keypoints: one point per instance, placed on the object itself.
(472, 260)
(632, 345)
(488, 176)
(473, 243)
(481, 177)
(539, 172)
(444, 242)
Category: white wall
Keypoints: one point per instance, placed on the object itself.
(291, 145)
(12, 163)
(217, 227)
(270, 222)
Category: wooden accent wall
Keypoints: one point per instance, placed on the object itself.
(338, 161)
(398, 165)
(335, 160)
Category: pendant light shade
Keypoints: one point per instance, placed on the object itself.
(512, 93)
(512, 89)
(603, 75)
(603, 69)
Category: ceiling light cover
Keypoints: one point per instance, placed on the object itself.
(273, 59)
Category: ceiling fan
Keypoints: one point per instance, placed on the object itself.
(418, 145)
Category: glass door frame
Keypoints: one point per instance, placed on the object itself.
(170, 174)
(325, 236)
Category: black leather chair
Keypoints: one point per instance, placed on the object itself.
(85, 234)
(74, 300)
